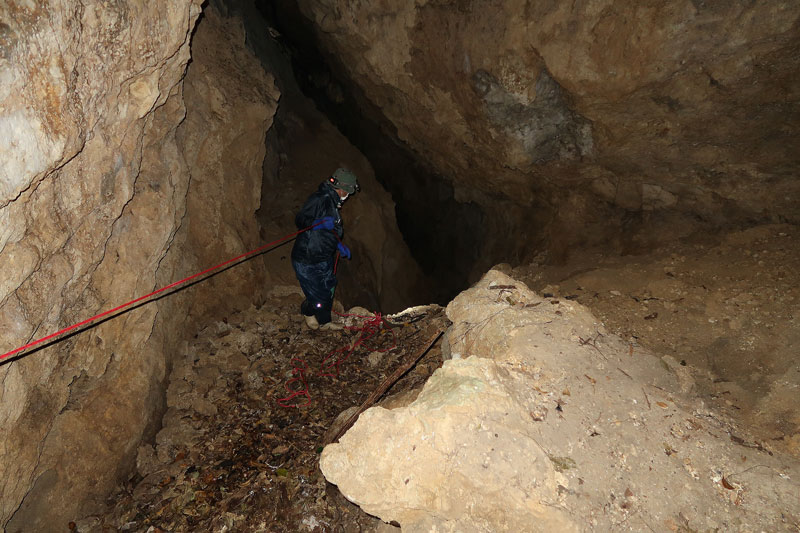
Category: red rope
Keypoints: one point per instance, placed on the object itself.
(371, 327)
(300, 375)
(162, 289)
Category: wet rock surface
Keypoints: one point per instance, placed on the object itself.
(235, 452)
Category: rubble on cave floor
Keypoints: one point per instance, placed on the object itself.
(237, 452)
(621, 439)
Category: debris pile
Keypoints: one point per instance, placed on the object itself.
(538, 420)
(230, 456)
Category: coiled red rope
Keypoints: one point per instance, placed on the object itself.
(146, 296)
(299, 372)
(331, 364)
(369, 328)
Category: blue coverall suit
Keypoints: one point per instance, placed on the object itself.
(314, 252)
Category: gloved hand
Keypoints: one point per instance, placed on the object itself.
(326, 223)
(344, 250)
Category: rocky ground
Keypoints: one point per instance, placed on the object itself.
(651, 392)
(237, 452)
(726, 306)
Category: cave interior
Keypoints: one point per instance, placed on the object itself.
(640, 161)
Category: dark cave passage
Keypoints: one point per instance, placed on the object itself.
(443, 234)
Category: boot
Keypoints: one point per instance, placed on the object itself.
(311, 322)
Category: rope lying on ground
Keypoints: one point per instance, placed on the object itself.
(174, 285)
(371, 327)
(299, 373)
(332, 362)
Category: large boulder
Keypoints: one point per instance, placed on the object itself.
(542, 421)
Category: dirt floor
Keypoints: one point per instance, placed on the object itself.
(727, 307)
(250, 403)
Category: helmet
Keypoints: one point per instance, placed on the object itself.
(345, 180)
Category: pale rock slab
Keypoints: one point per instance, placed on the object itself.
(454, 465)
(545, 422)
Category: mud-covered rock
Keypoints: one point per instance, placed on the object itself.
(720, 311)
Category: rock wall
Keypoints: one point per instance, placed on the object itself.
(231, 102)
(543, 421)
(109, 188)
(591, 118)
(304, 148)
(381, 275)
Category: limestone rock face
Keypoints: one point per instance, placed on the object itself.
(585, 110)
(304, 148)
(451, 460)
(231, 101)
(542, 421)
(102, 192)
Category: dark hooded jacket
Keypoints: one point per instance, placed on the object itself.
(316, 246)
